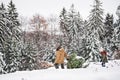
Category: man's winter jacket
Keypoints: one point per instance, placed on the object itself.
(60, 55)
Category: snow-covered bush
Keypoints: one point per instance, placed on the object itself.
(117, 54)
(76, 62)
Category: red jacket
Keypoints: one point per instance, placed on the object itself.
(103, 53)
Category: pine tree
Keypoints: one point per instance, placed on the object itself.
(96, 30)
(28, 56)
(84, 51)
(2, 64)
(5, 33)
(109, 29)
(13, 18)
(10, 49)
(109, 26)
(62, 21)
(118, 27)
(71, 24)
(2, 25)
(63, 25)
(4, 30)
(118, 14)
(116, 36)
(75, 22)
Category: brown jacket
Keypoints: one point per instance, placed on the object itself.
(60, 55)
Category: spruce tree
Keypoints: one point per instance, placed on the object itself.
(62, 21)
(10, 52)
(13, 18)
(4, 30)
(116, 36)
(85, 49)
(28, 57)
(5, 33)
(96, 30)
(108, 26)
(71, 26)
(2, 25)
(2, 64)
(109, 29)
(118, 27)
(63, 25)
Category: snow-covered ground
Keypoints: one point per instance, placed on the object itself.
(93, 72)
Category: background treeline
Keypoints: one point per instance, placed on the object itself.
(26, 49)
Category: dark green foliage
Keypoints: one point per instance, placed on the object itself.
(73, 62)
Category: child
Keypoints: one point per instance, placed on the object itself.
(104, 56)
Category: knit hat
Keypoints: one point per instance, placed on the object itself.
(101, 49)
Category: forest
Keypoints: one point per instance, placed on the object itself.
(29, 48)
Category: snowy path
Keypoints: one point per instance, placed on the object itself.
(93, 72)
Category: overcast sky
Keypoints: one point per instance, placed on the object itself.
(48, 7)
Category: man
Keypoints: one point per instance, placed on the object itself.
(59, 57)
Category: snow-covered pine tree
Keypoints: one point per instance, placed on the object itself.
(2, 64)
(5, 32)
(71, 24)
(116, 37)
(96, 30)
(79, 35)
(13, 18)
(63, 17)
(10, 49)
(63, 27)
(118, 27)
(28, 56)
(2, 24)
(118, 14)
(85, 49)
(108, 26)
(109, 29)
(72, 27)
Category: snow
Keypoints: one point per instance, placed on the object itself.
(94, 72)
